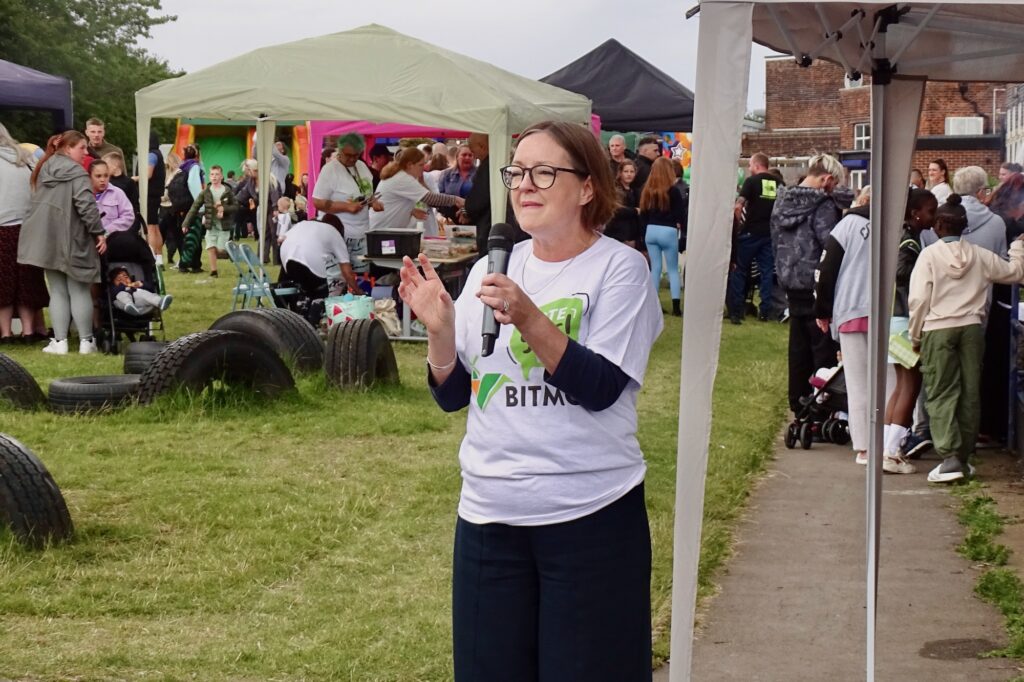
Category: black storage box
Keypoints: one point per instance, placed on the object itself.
(393, 243)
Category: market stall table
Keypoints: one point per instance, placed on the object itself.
(452, 271)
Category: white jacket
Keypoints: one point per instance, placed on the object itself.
(949, 285)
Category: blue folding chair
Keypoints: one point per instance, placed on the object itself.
(260, 286)
(242, 291)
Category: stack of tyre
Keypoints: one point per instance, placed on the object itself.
(255, 349)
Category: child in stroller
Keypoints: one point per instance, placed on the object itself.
(137, 284)
(131, 296)
(823, 414)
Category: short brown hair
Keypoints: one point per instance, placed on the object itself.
(95, 122)
(759, 159)
(587, 157)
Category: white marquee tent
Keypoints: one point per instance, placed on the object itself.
(901, 46)
(371, 73)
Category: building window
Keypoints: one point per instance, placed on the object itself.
(861, 136)
(850, 83)
(858, 178)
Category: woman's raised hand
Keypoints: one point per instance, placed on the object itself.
(426, 295)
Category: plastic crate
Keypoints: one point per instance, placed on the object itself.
(393, 243)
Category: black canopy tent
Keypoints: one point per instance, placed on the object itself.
(25, 88)
(628, 92)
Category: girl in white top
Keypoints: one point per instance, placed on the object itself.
(405, 196)
(552, 534)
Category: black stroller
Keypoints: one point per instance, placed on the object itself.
(114, 323)
(819, 415)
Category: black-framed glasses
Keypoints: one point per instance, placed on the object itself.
(542, 176)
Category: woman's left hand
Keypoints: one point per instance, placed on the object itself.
(510, 304)
(101, 244)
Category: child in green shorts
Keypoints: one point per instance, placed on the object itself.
(948, 299)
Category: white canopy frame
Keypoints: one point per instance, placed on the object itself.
(371, 73)
(902, 45)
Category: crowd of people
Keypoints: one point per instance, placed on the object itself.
(951, 309)
(653, 209)
(194, 210)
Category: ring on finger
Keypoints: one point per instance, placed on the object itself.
(504, 306)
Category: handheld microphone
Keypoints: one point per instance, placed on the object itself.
(499, 249)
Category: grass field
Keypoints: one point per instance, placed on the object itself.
(308, 538)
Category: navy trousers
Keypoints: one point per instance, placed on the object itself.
(749, 249)
(567, 602)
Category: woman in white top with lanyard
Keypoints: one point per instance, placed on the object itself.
(552, 548)
(345, 188)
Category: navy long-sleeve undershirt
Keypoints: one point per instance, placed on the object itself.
(592, 380)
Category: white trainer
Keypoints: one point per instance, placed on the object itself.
(896, 464)
(862, 458)
(949, 470)
(56, 347)
(85, 347)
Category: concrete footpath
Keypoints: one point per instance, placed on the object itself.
(792, 600)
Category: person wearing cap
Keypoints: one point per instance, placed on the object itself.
(380, 156)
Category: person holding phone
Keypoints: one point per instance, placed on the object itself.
(345, 188)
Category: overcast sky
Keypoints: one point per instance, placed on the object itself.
(530, 37)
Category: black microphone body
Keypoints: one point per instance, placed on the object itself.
(499, 250)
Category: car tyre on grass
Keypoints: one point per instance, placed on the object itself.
(31, 504)
(138, 355)
(18, 387)
(288, 333)
(197, 360)
(91, 394)
(359, 353)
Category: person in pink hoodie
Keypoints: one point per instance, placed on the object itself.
(116, 210)
(948, 299)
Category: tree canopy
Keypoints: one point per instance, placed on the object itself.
(94, 43)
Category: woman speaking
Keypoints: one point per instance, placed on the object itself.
(552, 552)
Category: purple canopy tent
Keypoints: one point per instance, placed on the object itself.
(25, 88)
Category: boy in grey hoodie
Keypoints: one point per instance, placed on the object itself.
(801, 221)
(948, 300)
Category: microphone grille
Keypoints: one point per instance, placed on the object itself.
(502, 236)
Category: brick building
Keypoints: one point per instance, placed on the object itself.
(816, 109)
(1015, 123)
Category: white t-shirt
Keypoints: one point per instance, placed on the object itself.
(529, 456)
(399, 195)
(941, 191)
(340, 183)
(217, 193)
(284, 223)
(314, 244)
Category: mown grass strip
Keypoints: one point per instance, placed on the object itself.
(308, 537)
(998, 585)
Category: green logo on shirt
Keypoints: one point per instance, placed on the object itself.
(768, 188)
(565, 313)
(485, 386)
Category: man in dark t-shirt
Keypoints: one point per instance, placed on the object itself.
(753, 238)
